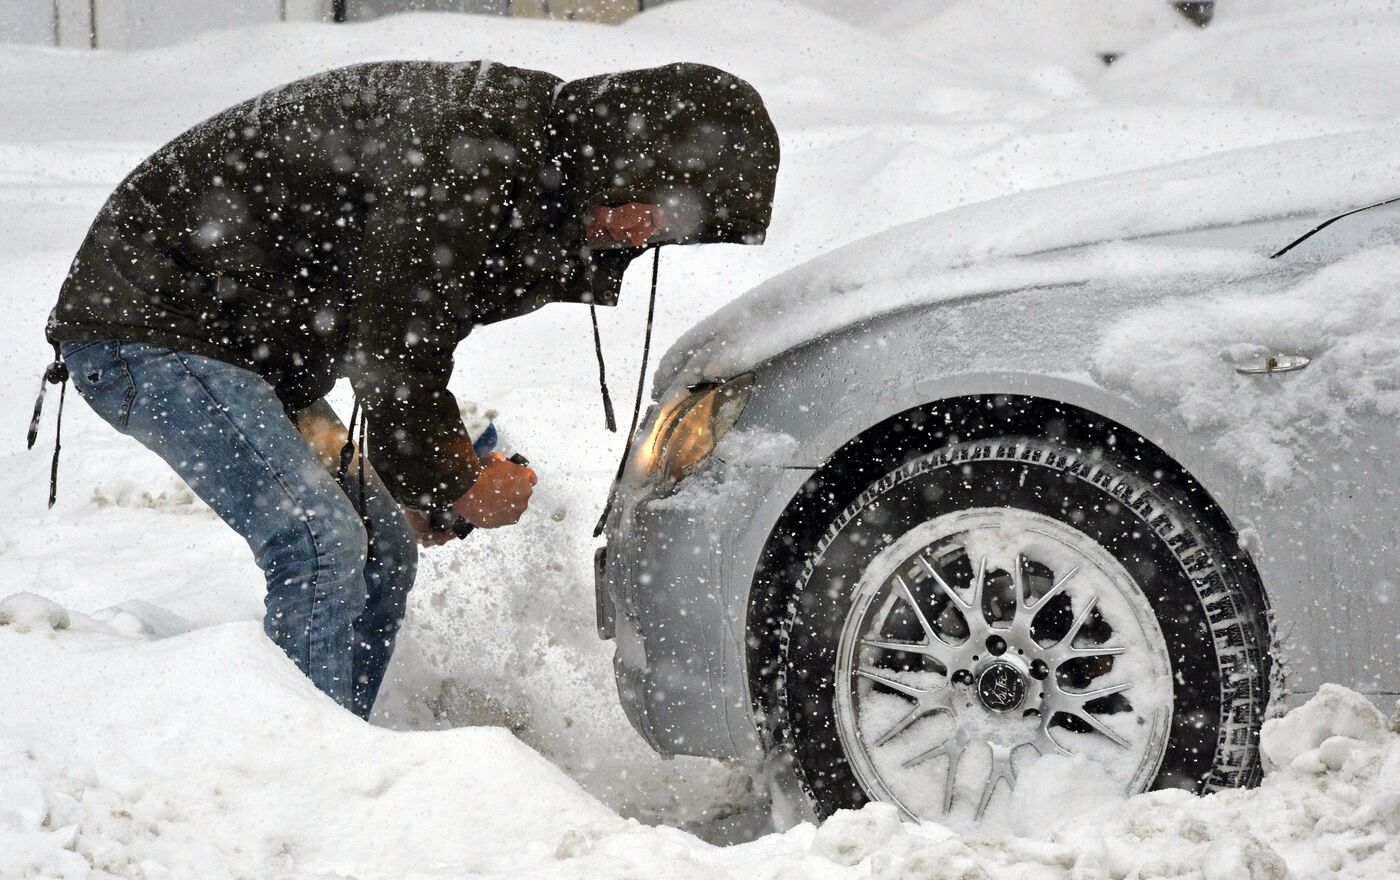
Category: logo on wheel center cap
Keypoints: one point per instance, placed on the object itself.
(1001, 687)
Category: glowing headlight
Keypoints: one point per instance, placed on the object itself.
(688, 427)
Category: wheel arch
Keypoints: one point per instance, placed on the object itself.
(912, 432)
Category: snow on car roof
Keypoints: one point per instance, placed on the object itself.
(981, 247)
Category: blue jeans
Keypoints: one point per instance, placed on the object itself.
(335, 596)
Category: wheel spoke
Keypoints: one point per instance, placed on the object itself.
(891, 683)
(927, 701)
(933, 647)
(1065, 649)
(908, 596)
(1026, 610)
(902, 724)
(1096, 651)
(1048, 737)
(1090, 719)
(943, 585)
(894, 645)
(1023, 610)
(979, 584)
(1001, 768)
(1079, 621)
(1083, 697)
(1018, 583)
(1055, 589)
(951, 748)
(954, 757)
(929, 646)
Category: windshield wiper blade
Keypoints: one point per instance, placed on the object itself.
(1326, 223)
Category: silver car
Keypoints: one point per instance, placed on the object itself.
(910, 520)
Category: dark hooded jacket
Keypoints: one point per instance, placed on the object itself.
(360, 222)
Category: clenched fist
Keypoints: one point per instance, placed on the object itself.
(500, 494)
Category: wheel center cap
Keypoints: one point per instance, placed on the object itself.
(1001, 687)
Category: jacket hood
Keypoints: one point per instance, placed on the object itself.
(689, 137)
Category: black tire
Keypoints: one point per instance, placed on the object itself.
(1202, 591)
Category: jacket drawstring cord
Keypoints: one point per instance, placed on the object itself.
(608, 417)
(641, 389)
(364, 500)
(55, 374)
(347, 455)
(347, 452)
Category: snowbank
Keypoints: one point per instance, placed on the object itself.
(204, 754)
(1330, 808)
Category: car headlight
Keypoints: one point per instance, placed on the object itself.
(685, 432)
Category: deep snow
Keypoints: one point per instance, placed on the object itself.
(253, 774)
(157, 734)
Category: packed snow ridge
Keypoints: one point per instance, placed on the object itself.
(194, 762)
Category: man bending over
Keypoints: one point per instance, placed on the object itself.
(358, 224)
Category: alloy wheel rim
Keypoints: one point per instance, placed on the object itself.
(984, 640)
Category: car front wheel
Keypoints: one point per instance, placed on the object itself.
(998, 604)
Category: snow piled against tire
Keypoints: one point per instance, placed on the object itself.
(210, 756)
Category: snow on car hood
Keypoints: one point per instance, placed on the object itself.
(984, 247)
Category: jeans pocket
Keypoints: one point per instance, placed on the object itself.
(103, 379)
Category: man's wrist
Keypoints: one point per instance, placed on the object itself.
(446, 519)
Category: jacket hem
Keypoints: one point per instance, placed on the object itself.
(60, 333)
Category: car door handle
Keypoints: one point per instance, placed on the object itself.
(1265, 365)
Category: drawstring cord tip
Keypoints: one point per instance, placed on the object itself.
(57, 440)
(55, 374)
(608, 415)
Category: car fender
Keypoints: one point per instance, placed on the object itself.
(819, 396)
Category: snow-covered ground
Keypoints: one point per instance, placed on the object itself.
(147, 729)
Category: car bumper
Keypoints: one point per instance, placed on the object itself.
(673, 586)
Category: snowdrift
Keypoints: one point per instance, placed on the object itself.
(127, 753)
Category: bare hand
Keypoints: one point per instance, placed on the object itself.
(500, 494)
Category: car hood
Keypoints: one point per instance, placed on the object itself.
(1098, 229)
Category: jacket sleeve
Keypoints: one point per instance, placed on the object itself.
(442, 193)
(400, 364)
(416, 439)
